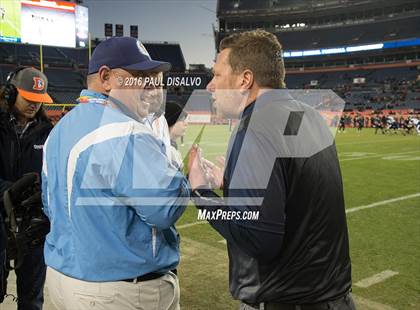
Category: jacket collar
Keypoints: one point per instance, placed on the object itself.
(90, 96)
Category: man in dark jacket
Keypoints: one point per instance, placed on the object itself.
(24, 129)
(282, 166)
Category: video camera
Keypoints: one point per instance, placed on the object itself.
(25, 223)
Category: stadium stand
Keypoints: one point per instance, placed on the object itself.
(385, 78)
(170, 52)
(344, 35)
(66, 68)
(390, 77)
(11, 53)
(350, 35)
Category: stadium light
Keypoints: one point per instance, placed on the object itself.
(296, 53)
(335, 50)
(311, 52)
(364, 47)
(349, 49)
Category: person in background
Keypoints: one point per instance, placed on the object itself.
(176, 118)
(24, 128)
(360, 123)
(342, 126)
(378, 124)
(155, 120)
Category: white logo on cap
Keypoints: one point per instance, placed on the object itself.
(142, 49)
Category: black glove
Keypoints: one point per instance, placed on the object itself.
(24, 188)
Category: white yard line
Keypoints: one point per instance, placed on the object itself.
(380, 155)
(351, 210)
(383, 202)
(191, 224)
(363, 303)
(370, 142)
(376, 278)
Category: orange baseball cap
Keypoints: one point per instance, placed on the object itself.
(32, 85)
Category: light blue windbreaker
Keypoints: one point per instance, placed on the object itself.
(111, 195)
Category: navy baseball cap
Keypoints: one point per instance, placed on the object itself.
(125, 53)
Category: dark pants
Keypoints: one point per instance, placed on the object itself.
(344, 303)
(2, 276)
(30, 279)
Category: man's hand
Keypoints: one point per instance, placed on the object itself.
(215, 172)
(197, 173)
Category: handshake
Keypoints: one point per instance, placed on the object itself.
(204, 173)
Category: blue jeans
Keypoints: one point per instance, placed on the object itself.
(30, 279)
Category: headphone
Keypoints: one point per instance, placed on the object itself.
(10, 92)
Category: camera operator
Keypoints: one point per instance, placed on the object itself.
(24, 129)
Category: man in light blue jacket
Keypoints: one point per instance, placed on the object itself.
(110, 192)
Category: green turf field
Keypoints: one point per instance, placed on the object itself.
(380, 173)
(10, 18)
